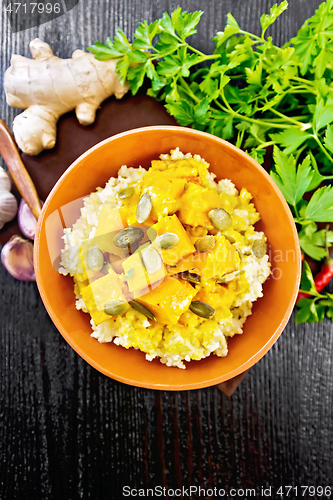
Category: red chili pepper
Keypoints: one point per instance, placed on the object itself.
(321, 279)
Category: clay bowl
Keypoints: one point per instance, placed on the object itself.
(138, 147)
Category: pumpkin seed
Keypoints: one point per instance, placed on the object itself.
(240, 253)
(128, 236)
(107, 266)
(202, 309)
(115, 307)
(151, 260)
(231, 276)
(95, 258)
(220, 219)
(259, 248)
(167, 240)
(151, 233)
(126, 193)
(144, 208)
(205, 243)
(142, 247)
(142, 309)
(191, 277)
(230, 238)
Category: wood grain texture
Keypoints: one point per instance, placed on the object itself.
(68, 432)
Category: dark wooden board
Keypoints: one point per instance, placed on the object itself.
(68, 432)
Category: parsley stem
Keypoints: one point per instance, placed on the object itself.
(324, 150)
(188, 90)
(230, 111)
(290, 119)
(265, 145)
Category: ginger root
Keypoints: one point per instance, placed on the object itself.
(47, 87)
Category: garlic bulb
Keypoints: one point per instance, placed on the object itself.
(8, 203)
(5, 184)
(8, 207)
(17, 258)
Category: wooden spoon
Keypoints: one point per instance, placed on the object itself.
(22, 179)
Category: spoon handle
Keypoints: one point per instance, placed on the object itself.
(22, 179)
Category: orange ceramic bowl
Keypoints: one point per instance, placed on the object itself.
(138, 147)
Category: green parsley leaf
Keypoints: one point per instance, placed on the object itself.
(121, 43)
(102, 52)
(307, 281)
(323, 114)
(306, 311)
(292, 182)
(328, 141)
(290, 139)
(267, 20)
(320, 206)
(136, 76)
(313, 241)
(181, 110)
(144, 34)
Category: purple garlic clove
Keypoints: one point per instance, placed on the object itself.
(26, 220)
(17, 258)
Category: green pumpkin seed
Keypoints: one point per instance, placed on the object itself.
(95, 258)
(144, 208)
(142, 309)
(167, 240)
(231, 276)
(220, 219)
(202, 309)
(240, 253)
(128, 236)
(151, 233)
(115, 307)
(259, 248)
(151, 260)
(107, 266)
(191, 277)
(142, 247)
(230, 238)
(126, 193)
(205, 243)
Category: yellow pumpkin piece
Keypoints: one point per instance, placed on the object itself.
(138, 280)
(223, 259)
(98, 293)
(177, 187)
(181, 266)
(79, 284)
(168, 300)
(110, 221)
(221, 297)
(195, 204)
(163, 191)
(183, 248)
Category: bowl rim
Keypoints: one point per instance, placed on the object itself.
(172, 387)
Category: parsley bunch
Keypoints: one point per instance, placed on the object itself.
(256, 95)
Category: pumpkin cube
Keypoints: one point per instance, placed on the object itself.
(136, 276)
(184, 246)
(110, 221)
(195, 204)
(168, 300)
(223, 259)
(101, 291)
